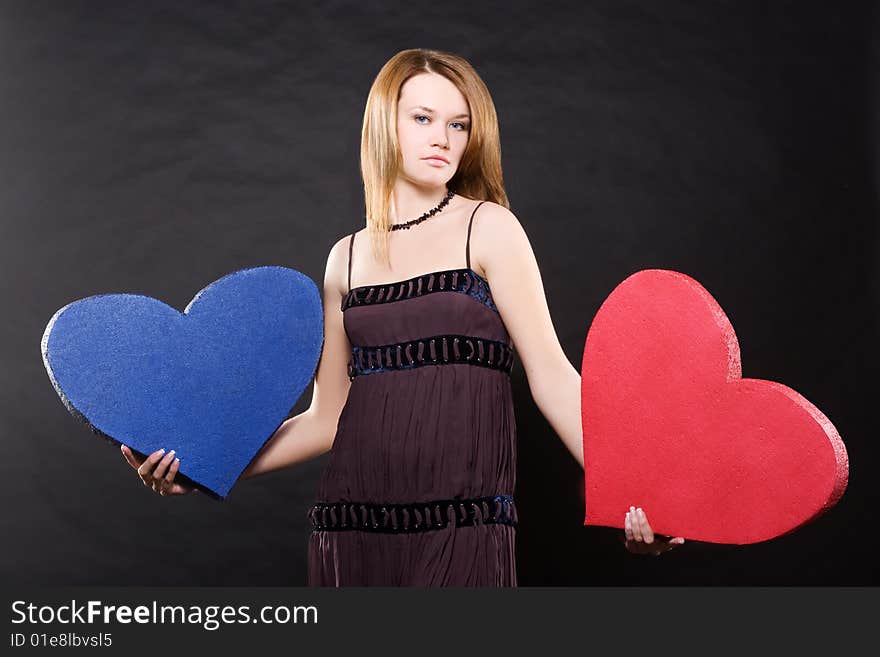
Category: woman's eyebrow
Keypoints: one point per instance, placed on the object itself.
(428, 109)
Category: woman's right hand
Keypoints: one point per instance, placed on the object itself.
(157, 471)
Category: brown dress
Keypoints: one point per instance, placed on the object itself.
(418, 490)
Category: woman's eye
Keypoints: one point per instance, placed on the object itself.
(464, 126)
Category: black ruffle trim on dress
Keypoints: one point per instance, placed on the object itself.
(435, 350)
(414, 517)
(464, 280)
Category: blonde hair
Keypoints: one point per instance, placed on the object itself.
(479, 172)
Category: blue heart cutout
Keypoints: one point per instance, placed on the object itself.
(214, 382)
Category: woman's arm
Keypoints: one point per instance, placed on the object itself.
(555, 384)
(311, 433)
(558, 396)
(512, 270)
(298, 439)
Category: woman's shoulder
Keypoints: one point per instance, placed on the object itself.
(336, 271)
(345, 240)
(343, 243)
(339, 245)
(475, 207)
(491, 217)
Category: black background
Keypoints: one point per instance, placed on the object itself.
(153, 147)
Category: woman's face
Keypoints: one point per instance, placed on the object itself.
(432, 120)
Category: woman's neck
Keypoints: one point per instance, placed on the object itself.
(409, 201)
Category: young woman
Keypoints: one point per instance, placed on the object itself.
(424, 310)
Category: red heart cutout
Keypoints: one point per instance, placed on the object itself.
(670, 425)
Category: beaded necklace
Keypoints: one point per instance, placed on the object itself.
(427, 215)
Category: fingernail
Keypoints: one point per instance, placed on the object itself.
(177, 460)
(162, 451)
(171, 452)
(632, 509)
(640, 510)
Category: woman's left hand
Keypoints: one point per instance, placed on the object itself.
(640, 539)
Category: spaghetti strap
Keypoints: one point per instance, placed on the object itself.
(468, 245)
(350, 247)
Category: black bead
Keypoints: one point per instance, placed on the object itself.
(409, 224)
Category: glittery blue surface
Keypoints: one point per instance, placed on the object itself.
(213, 382)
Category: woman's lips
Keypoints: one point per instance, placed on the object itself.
(437, 162)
